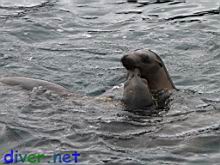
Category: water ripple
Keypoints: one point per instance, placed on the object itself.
(79, 44)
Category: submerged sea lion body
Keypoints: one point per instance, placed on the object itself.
(30, 83)
(136, 93)
(151, 68)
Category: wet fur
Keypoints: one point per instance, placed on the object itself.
(164, 67)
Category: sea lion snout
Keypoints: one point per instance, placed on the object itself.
(128, 62)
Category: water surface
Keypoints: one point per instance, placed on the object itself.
(78, 44)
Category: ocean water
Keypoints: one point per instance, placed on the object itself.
(78, 44)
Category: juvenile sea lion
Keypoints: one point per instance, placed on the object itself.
(136, 93)
(151, 68)
(30, 83)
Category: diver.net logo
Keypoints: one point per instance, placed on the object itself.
(13, 156)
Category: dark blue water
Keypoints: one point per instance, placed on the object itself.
(78, 44)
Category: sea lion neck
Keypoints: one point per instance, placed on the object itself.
(158, 80)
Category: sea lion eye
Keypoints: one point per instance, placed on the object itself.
(145, 59)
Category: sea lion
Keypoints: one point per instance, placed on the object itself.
(30, 83)
(151, 68)
(136, 93)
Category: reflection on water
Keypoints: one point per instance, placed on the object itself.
(78, 44)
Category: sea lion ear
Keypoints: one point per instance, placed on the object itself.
(159, 62)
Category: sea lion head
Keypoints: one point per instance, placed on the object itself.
(151, 68)
(136, 93)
